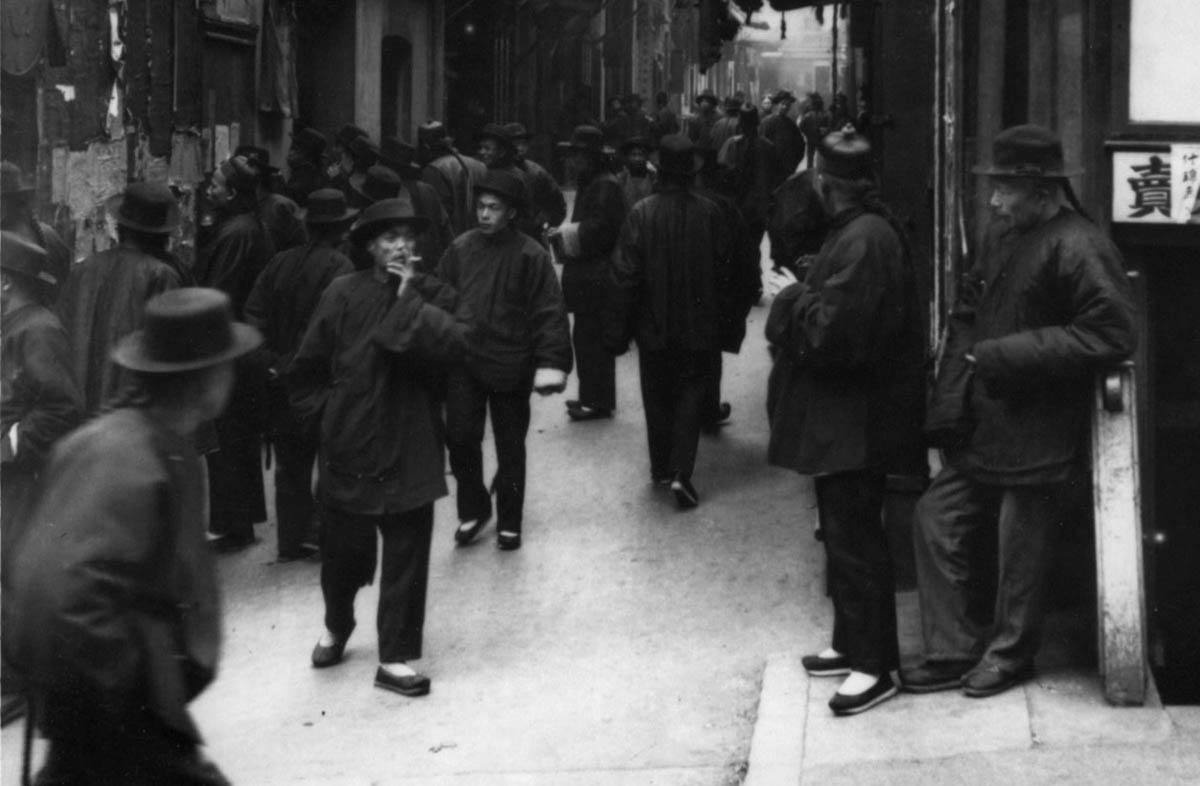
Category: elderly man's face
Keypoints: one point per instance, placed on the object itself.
(1017, 202)
(393, 245)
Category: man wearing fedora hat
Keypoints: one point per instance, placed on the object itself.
(230, 259)
(784, 133)
(498, 152)
(699, 126)
(401, 158)
(114, 615)
(452, 174)
(845, 400)
(366, 379)
(523, 344)
(280, 306)
(1045, 306)
(587, 244)
(755, 171)
(674, 280)
(39, 402)
(306, 165)
(16, 215)
(106, 293)
(547, 206)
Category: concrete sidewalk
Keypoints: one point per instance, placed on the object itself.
(1057, 728)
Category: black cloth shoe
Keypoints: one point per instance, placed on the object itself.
(660, 480)
(935, 675)
(719, 417)
(324, 657)
(988, 680)
(878, 693)
(410, 685)
(685, 493)
(305, 551)
(508, 540)
(467, 530)
(817, 666)
(587, 413)
(230, 544)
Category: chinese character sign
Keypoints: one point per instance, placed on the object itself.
(1185, 162)
(1156, 186)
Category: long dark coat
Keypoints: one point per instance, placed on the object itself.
(508, 282)
(1056, 306)
(847, 388)
(103, 300)
(453, 176)
(280, 306)
(38, 396)
(674, 278)
(364, 378)
(599, 210)
(114, 603)
(787, 138)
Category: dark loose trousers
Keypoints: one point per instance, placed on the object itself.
(467, 405)
(294, 505)
(860, 569)
(675, 389)
(348, 554)
(954, 511)
(595, 366)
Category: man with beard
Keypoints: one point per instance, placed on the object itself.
(783, 132)
(105, 294)
(114, 610)
(636, 177)
(845, 402)
(280, 307)
(547, 205)
(452, 174)
(364, 378)
(522, 345)
(673, 287)
(16, 215)
(586, 244)
(39, 403)
(231, 259)
(1046, 306)
(306, 170)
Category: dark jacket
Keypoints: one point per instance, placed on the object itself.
(798, 222)
(104, 300)
(38, 393)
(236, 252)
(846, 391)
(520, 323)
(363, 379)
(674, 276)
(700, 127)
(453, 176)
(548, 207)
(599, 210)
(280, 306)
(302, 181)
(280, 216)
(114, 603)
(434, 241)
(723, 130)
(787, 138)
(1055, 307)
(745, 288)
(756, 174)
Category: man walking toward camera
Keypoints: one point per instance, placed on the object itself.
(1046, 305)
(522, 344)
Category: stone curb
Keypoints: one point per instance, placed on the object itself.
(777, 745)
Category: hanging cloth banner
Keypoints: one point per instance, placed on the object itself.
(30, 29)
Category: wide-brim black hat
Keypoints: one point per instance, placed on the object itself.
(584, 139)
(677, 156)
(497, 132)
(12, 179)
(311, 141)
(399, 156)
(385, 213)
(29, 260)
(637, 141)
(505, 185)
(186, 329)
(381, 182)
(328, 206)
(145, 207)
(707, 95)
(1027, 151)
(517, 131)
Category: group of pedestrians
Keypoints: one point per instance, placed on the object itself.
(415, 295)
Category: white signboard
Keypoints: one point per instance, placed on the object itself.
(1156, 186)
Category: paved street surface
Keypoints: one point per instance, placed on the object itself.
(630, 643)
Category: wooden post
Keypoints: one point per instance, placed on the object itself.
(1116, 494)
